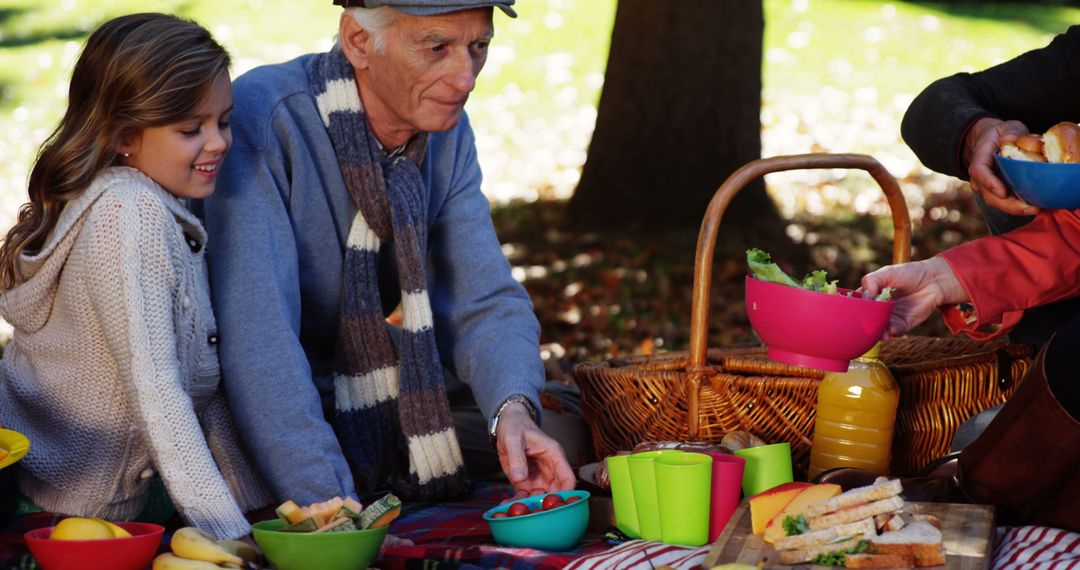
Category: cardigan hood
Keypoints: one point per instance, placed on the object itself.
(27, 305)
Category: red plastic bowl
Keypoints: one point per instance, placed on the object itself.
(811, 329)
(134, 553)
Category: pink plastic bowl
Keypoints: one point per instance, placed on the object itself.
(134, 553)
(812, 329)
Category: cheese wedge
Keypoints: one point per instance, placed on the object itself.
(813, 494)
(765, 505)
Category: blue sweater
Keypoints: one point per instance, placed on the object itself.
(277, 228)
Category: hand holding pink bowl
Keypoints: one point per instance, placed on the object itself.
(814, 329)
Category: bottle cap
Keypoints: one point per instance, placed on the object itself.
(874, 352)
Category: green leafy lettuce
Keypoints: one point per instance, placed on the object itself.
(838, 557)
(795, 525)
(884, 295)
(763, 268)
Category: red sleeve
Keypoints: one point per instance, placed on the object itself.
(1004, 275)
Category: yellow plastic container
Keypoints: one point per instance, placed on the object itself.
(856, 412)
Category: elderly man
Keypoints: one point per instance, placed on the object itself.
(353, 186)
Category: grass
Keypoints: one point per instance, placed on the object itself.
(895, 48)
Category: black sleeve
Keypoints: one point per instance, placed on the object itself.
(1038, 88)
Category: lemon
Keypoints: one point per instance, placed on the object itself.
(117, 531)
(76, 528)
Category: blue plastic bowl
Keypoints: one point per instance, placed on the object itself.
(1042, 184)
(556, 529)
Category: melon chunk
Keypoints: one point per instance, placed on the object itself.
(290, 512)
(337, 515)
(351, 508)
(765, 505)
(325, 511)
(306, 525)
(808, 496)
(380, 513)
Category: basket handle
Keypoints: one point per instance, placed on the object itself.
(706, 243)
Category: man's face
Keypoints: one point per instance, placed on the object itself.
(428, 67)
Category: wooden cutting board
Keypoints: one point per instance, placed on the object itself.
(967, 532)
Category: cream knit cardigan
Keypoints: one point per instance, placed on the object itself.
(113, 373)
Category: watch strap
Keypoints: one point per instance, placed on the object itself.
(516, 398)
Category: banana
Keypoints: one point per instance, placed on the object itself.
(173, 562)
(241, 549)
(117, 531)
(194, 544)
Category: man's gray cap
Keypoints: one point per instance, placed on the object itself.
(430, 7)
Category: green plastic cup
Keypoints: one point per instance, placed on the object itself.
(622, 493)
(683, 487)
(766, 467)
(643, 481)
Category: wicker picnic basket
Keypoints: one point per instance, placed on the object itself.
(703, 394)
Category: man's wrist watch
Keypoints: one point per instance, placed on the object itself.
(516, 398)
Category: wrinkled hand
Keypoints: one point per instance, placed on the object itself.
(532, 461)
(982, 142)
(919, 288)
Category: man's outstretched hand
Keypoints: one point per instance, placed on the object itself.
(532, 461)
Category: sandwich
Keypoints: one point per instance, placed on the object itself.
(919, 539)
(866, 527)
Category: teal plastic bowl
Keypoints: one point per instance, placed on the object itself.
(556, 529)
(346, 550)
(1042, 184)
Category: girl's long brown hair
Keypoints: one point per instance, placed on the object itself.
(136, 71)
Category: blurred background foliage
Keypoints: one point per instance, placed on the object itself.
(838, 75)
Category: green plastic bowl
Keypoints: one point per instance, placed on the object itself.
(556, 529)
(345, 550)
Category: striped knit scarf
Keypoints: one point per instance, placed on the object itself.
(391, 409)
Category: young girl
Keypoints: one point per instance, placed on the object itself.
(112, 372)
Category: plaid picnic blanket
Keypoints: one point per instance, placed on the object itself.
(455, 535)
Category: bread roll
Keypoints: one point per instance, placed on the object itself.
(1027, 147)
(1030, 143)
(1061, 143)
(737, 440)
(1010, 150)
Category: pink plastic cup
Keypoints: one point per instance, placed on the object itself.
(812, 329)
(727, 474)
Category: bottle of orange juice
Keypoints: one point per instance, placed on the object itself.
(856, 411)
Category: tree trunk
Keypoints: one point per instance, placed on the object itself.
(679, 112)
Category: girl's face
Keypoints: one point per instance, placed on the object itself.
(184, 157)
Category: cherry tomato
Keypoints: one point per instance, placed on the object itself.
(499, 515)
(518, 509)
(551, 501)
(572, 499)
